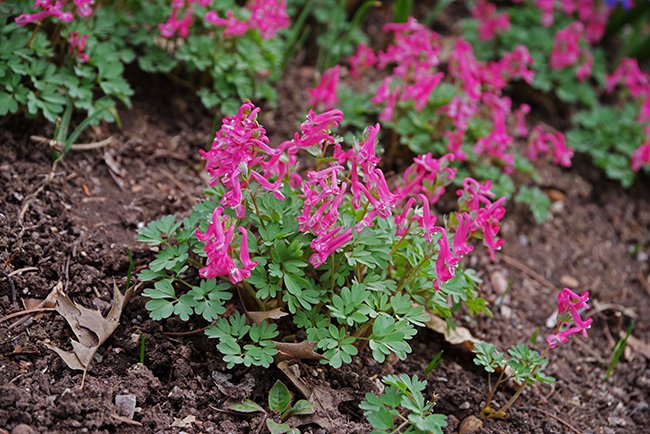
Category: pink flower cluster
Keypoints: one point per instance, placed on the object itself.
(55, 9)
(592, 14)
(567, 51)
(637, 83)
(218, 248)
(324, 95)
(267, 16)
(351, 180)
(361, 60)
(554, 144)
(414, 55)
(568, 306)
(78, 46)
(489, 21)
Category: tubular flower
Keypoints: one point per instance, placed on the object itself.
(78, 46)
(446, 262)
(568, 306)
(232, 25)
(489, 21)
(48, 8)
(362, 59)
(324, 95)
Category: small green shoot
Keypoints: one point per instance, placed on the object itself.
(618, 350)
(142, 349)
(434, 363)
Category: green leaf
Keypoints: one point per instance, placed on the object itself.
(245, 406)
(277, 428)
(279, 397)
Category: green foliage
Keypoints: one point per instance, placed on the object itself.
(609, 144)
(279, 402)
(538, 202)
(40, 79)
(402, 407)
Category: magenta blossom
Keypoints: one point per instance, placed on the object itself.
(446, 262)
(232, 25)
(78, 46)
(568, 306)
(361, 60)
(489, 21)
(48, 8)
(566, 47)
(268, 16)
(324, 95)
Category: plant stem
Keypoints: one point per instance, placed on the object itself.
(492, 391)
(408, 229)
(415, 269)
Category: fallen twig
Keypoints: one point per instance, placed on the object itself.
(22, 270)
(526, 270)
(78, 146)
(26, 312)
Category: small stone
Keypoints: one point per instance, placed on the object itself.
(569, 281)
(499, 282)
(125, 405)
(23, 429)
(465, 405)
(506, 311)
(557, 208)
(470, 424)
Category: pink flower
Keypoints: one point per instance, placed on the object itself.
(420, 91)
(327, 243)
(268, 16)
(630, 75)
(515, 65)
(362, 59)
(546, 7)
(78, 46)
(568, 305)
(462, 233)
(427, 221)
(84, 7)
(446, 262)
(324, 95)
(233, 26)
(239, 274)
(641, 156)
(566, 47)
(49, 8)
(386, 95)
(175, 25)
(489, 21)
(239, 146)
(541, 142)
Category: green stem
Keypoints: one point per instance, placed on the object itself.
(406, 278)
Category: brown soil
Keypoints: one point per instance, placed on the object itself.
(78, 229)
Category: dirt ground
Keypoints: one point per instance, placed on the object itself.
(75, 225)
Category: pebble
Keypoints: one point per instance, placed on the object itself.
(470, 424)
(125, 405)
(569, 281)
(23, 429)
(499, 282)
(465, 405)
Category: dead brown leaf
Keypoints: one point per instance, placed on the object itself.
(457, 336)
(89, 326)
(258, 316)
(296, 351)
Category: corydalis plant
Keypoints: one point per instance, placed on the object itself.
(339, 255)
(524, 366)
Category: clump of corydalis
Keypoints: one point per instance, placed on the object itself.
(266, 16)
(60, 10)
(345, 257)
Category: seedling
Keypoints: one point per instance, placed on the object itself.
(281, 410)
(402, 407)
(618, 350)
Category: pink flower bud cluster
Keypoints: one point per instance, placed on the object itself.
(489, 21)
(56, 9)
(361, 60)
(637, 83)
(78, 46)
(218, 248)
(553, 144)
(267, 16)
(568, 306)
